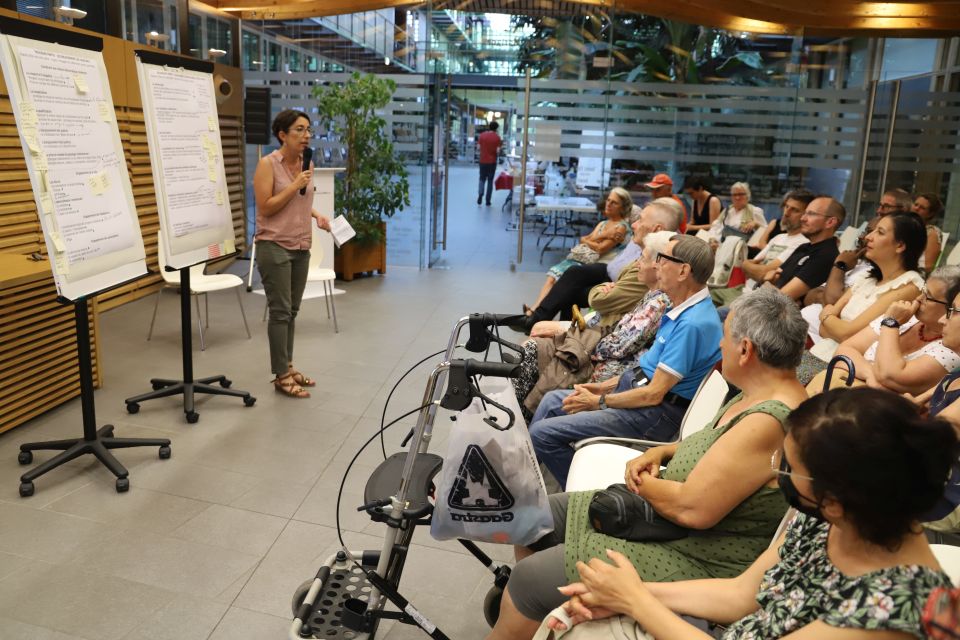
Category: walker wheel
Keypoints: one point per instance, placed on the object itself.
(249, 401)
(26, 489)
(165, 453)
(491, 605)
(298, 597)
(226, 383)
(157, 385)
(25, 457)
(192, 417)
(123, 485)
(133, 407)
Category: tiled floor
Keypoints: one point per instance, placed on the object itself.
(213, 542)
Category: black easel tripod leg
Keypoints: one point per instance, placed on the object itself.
(96, 442)
(188, 387)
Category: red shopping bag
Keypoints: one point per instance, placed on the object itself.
(504, 182)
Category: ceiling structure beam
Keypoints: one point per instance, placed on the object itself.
(814, 17)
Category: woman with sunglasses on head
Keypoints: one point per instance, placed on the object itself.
(911, 358)
(284, 196)
(607, 236)
(740, 219)
(862, 467)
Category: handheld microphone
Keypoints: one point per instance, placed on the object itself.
(307, 156)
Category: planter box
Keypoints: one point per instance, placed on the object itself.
(354, 259)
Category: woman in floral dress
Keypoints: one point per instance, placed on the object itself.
(862, 467)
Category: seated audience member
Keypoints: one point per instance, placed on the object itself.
(624, 290)
(911, 358)
(853, 564)
(717, 481)
(809, 264)
(648, 400)
(848, 268)
(740, 219)
(706, 206)
(774, 253)
(929, 207)
(894, 201)
(662, 187)
(894, 248)
(775, 227)
(605, 238)
(560, 354)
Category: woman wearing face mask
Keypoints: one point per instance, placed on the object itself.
(862, 467)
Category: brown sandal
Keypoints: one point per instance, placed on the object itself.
(300, 379)
(289, 387)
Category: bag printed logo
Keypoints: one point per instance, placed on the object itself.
(477, 487)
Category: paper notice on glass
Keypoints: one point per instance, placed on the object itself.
(189, 157)
(62, 93)
(341, 231)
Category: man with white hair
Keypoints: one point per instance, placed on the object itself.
(587, 285)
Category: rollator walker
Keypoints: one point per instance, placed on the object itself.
(347, 597)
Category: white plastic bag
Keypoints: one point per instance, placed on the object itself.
(491, 488)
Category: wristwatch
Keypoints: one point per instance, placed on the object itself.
(841, 265)
(890, 322)
(603, 401)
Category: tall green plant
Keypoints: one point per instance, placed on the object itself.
(375, 185)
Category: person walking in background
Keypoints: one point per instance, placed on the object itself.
(284, 195)
(489, 143)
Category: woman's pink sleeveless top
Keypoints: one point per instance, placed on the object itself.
(290, 226)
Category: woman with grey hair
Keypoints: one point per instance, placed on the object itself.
(741, 218)
(912, 358)
(716, 481)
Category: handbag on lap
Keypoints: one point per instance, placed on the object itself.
(619, 513)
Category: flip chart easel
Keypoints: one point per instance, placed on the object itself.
(183, 136)
(58, 83)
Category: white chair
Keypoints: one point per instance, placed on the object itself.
(600, 462)
(848, 238)
(200, 284)
(321, 270)
(953, 257)
(943, 250)
(949, 558)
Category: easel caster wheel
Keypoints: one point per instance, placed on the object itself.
(299, 595)
(123, 485)
(164, 453)
(25, 457)
(192, 417)
(226, 383)
(133, 407)
(249, 401)
(26, 489)
(491, 605)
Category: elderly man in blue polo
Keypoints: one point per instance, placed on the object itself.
(648, 400)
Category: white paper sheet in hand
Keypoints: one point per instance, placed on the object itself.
(341, 231)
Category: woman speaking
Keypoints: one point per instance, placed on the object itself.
(283, 189)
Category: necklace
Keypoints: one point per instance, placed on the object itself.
(924, 338)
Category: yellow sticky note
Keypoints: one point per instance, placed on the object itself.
(40, 162)
(80, 83)
(105, 110)
(98, 183)
(219, 197)
(211, 123)
(58, 245)
(229, 246)
(46, 203)
(206, 142)
(212, 172)
(28, 114)
(44, 184)
(30, 137)
(61, 264)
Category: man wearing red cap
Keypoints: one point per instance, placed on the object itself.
(662, 187)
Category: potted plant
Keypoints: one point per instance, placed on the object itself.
(374, 186)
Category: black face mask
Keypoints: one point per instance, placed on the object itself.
(794, 497)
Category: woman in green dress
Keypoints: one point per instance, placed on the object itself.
(717, 480)
(862, 467)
